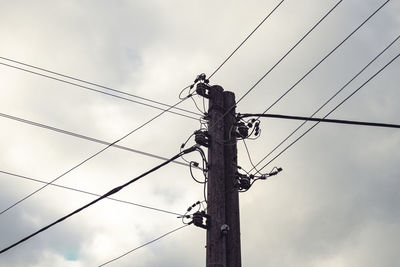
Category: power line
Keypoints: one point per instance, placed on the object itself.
(90, 193)
(245, 40)
(288, 52)
(92, 156)
(145, 244)
(109, 193)
(325, 57)
(105, 93)
(92, 139)
(330, 99)
(372, 77)
(279, 61)
(96, 84)
(349, 122)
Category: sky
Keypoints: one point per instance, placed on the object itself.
(334, 204)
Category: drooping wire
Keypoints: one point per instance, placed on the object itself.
(146, 244)
(326, 56)
(245, 40)
(301, 136)
(89, 158)
(90, 83)
(249, 156)
(109, 193)
(331, 98)
(89, 193)
(92, 139)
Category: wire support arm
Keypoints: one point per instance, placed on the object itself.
(106, 195)
(349, 122)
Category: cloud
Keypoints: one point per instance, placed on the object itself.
(335, 203)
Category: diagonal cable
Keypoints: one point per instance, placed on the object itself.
(326, 56)
(245, 40)
(145, 244)
(91, 157)
(278, 62)
(89, 193)
(288, 52)
(301, 136)
(329, 100)
(109, 193)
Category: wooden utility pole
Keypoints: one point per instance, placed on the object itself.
(223, 233)
(216, 241)
(233, 253)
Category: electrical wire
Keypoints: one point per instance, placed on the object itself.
(326, 56)
(277, 63)
(90, 193)
(109, 193)
(94, 84)
(105, 93)
(145, 244)
(249, 156)
(245, 40)
(92, 139)
(301, 136)
(290, 50)
(331, 98)
(89, 158)
(348, 122)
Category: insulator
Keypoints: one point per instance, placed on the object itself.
(198, 219)
(243, 130)
(244, 183)
(201, 138)
(202, 89)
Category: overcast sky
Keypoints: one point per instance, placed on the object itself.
(336, 203)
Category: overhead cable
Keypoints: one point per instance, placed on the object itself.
(105, 93)
(145, 244)
(278, 62)
(331, 98)
(245, 40)
(288, 52)
(97, 85)
(91, 157)
(109, 193)
(301, 136)
(92, 139)
(89, 193)
(301, 118)
(326, 56)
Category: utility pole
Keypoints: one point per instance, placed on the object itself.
(216, 241)
(223, 227)
(233, 252)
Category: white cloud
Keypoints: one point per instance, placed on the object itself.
(335, 203)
